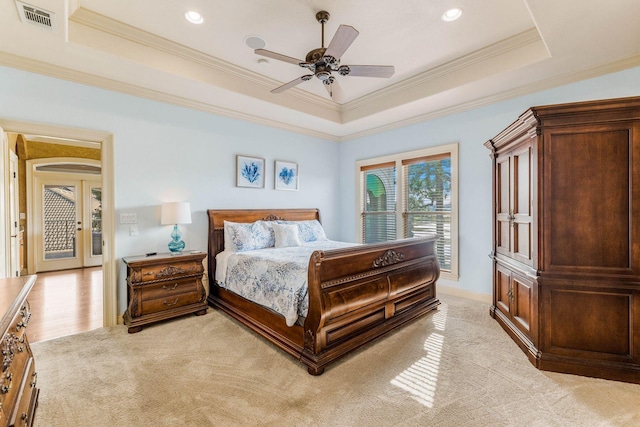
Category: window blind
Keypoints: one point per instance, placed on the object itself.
(427, 202)
(378, 202)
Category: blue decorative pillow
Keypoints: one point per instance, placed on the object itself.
(240, 236)
(286, 235)
(309, 231)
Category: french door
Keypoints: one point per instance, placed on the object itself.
(68, 221)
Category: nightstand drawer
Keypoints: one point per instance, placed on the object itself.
(161, 272)
(169, 295)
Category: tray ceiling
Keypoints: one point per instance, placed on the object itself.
(498, 49)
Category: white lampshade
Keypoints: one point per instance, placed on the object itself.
(175, 213)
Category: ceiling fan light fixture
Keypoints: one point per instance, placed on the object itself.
(451, 14)
(193, 17)
(323, 75)
(344, 70)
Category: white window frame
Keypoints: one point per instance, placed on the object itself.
(452, 149)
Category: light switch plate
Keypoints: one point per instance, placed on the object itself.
(133, 230)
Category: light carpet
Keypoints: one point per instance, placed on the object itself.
(452, 367)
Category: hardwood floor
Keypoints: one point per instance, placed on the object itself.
(65, 303)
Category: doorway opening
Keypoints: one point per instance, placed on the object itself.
(95, 244)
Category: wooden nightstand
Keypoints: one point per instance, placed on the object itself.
(163, 286)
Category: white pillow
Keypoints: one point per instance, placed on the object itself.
(286, 235)
(240, 236)
(308, 230)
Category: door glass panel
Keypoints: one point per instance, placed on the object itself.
(96, 221)
(59, 221)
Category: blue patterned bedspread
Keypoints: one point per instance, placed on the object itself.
(274, 277)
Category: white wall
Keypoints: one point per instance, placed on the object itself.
(168, 153)
(471, 130)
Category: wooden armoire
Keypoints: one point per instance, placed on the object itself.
(566, 236)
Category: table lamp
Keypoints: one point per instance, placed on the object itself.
(175, 213)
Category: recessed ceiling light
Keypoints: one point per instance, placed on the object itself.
(194, 17)
(451, 14)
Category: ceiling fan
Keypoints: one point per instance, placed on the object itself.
(322, 62)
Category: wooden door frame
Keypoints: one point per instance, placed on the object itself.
(14, 209)
(106, 140)
(5, 247)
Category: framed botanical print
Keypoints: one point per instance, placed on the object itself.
(286, 174)
(249, 172)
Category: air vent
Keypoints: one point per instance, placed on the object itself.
(37, 16)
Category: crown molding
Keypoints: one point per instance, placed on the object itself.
(489, 53)
(39, 67)
(549, 83)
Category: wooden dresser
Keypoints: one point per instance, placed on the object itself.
(18, 391)
(163, 286)
(566, 231)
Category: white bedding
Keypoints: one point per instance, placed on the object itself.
(273, 277)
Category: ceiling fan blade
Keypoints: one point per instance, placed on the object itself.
(367, 70)
(292, 83)
(278, 56)
(341, 41)
(335, 91)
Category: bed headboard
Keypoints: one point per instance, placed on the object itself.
(218, 217)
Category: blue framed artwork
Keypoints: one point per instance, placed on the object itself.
(286, 175)
(249, 172)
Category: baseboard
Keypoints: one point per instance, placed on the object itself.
(449, 290)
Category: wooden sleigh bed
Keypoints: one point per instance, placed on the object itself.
(356, 294)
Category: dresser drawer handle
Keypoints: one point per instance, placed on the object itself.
(169, 304)
(35, 379)
(4, 389)
(167, 288)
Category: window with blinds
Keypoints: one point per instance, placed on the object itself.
(427, 202)
(412, 194)
(379, 202)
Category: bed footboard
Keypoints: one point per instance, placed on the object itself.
(360, 293)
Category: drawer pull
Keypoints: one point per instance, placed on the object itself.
(167, 288)
(169, 304)
(20, 325)
(35, 379)
(4, 389)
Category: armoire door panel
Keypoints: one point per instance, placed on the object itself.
(503, 229)
(588, 201)
(584, 321)
(522, 292)
(502, 192)
(522, 241)
(522, 188)
(503, 282)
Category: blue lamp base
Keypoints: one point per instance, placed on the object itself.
(176, 245)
